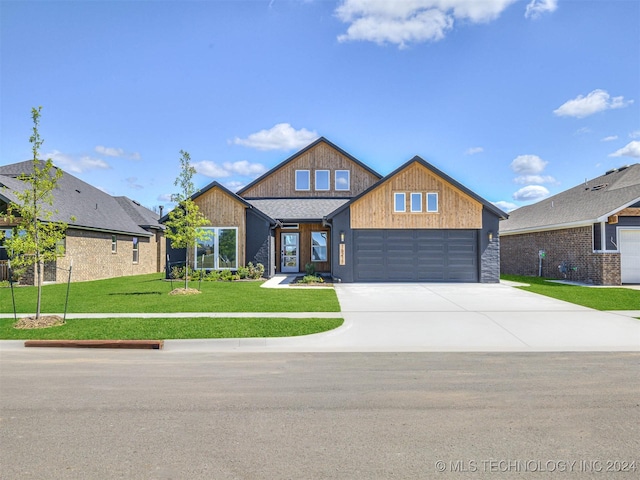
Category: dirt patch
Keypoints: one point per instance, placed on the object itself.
(44, 321)
(184, 291)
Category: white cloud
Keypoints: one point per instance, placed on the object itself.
(531, 193)
(71, 164)
(131, 183)
(474, 150)
(596, 101)
(116, 152)
(227, 169)
(634, 134)
(280, 137)
(411, 21)
(165, 197)
(631, 149)
(233, 185)
(505, 206)
(524, 179)
(528, 164)
(536, 8)
(610, 138)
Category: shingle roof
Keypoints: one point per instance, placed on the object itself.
(298, 209)
(590, 202)
(84, 206)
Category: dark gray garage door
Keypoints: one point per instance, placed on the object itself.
(416, 255)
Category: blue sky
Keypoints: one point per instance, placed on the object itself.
(517, 100)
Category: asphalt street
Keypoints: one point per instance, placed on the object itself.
(106, 414)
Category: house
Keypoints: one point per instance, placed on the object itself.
(589, 233)
(324, 208)
(106, 237)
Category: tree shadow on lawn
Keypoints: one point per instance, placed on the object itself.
(136, 293)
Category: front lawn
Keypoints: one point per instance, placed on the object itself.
(170, 328)
(597, 298)
(149, 293)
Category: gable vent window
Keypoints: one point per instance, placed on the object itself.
(416, 202)
(399, 202)
(303, 181)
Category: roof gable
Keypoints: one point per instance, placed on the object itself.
(438, 173)
(338, 159)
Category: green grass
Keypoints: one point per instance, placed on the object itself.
(149, 293)
(170, 328)
(597, 298)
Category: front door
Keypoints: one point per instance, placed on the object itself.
(289, 252)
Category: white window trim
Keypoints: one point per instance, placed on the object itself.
(328, 181)
(114, 244)
(411, 196)
(136, 250)
(335, 181)
(437, 202)
(216, 250)
(395, 202)
(308, 181)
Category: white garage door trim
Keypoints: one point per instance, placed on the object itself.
(629, 245)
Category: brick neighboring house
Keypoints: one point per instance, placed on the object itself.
(108, 236)
(325, 208)
(590, 233)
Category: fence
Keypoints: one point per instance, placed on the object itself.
(4, 270)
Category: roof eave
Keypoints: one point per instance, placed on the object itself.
(546, 228)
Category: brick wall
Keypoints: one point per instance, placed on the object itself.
(519, 256)
(92, 258)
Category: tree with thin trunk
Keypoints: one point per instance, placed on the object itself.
(37, 239)
(184, 227)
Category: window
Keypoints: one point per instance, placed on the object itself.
(135, 250)
(114, 243)
(318, 246)
(342, 180)
(416, 202)
(302, 180)
(322, 179)
(399, 202)
(432, 202)
(3, 249)
(219, 250)
(61, 247)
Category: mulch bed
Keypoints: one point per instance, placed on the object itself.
(184, 291)
(44, 321)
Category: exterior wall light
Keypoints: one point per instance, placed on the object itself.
(342, 236)
(490, 236)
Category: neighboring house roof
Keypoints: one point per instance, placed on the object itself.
(83, 206)
(591, 202)
(298, 209)
(488, 205)
(302, 152)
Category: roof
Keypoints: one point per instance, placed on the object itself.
(303, 151)
(83, 206)
(591, 202)
(298, 209)
(488, 205)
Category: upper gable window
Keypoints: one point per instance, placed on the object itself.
(303, 181)
(432, 202)
(399, 202)
(322, 179)
(416, 202)
(343, 182)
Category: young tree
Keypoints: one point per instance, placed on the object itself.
(38, 236)
(185, 221)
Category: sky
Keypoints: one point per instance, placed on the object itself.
(516, 100)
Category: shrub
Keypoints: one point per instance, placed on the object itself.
(312, 279)
(255, 271)
(243, 272)
(310, 268)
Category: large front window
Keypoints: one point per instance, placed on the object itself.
(318, 246)
(219, 250)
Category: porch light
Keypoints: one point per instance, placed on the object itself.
(491, 236)
(342, 236)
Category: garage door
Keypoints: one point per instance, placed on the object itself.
(416, 255)
(629, 256)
